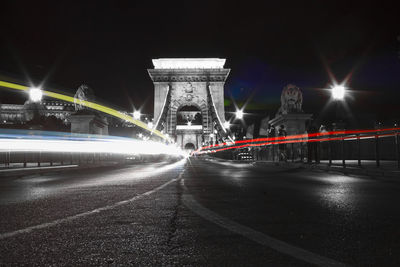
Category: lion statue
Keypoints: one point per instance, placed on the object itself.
(291, 100)
(84, 92)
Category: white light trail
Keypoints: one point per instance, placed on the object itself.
(133, 147)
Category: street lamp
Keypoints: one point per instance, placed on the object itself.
(239, 114)
(150, 125)
(227, 124)
(338, 92)
(136, 115)
(35, 94)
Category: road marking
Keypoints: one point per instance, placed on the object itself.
(87, 213)
(254, 235)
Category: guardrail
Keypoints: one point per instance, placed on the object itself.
(23, 159)
(355, 145)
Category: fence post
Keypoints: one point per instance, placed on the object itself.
(377, 151)
(330, 152)
(39, 158)
(273, 152)
(25, 159)
(343, 154)
(292, 152)
(8, 158)
(397, 143)
(359, 150)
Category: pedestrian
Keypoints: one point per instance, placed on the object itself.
(271, 138)
(312, 145)
(271, 131)
(322, 147)
(282, 146)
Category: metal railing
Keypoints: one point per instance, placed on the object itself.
(331, 147)
(24, 159)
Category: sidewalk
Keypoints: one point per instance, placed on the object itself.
(368, 167)
(387, 169)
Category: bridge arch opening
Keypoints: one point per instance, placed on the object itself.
(189, 146)
(189, 115)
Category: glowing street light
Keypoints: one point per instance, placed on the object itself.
(150, 125)
(35, 94)
(136, 115)
(227, 124)
(338, 92)
(239, 114)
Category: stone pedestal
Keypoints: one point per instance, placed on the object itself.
(88, 124)
(294, 123)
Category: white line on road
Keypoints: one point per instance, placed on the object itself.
(254, 235)
(87, 213)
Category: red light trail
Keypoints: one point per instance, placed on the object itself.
(299, 138)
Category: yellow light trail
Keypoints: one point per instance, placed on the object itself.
(88, 104)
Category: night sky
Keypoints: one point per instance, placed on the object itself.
(110, 45)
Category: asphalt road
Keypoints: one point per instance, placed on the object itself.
(199, 212)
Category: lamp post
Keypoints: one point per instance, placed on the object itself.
(338, 94)
(136, 115)
(35, 97)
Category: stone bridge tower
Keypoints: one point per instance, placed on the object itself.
(189, 99)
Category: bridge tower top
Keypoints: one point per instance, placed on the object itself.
(189, 63)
